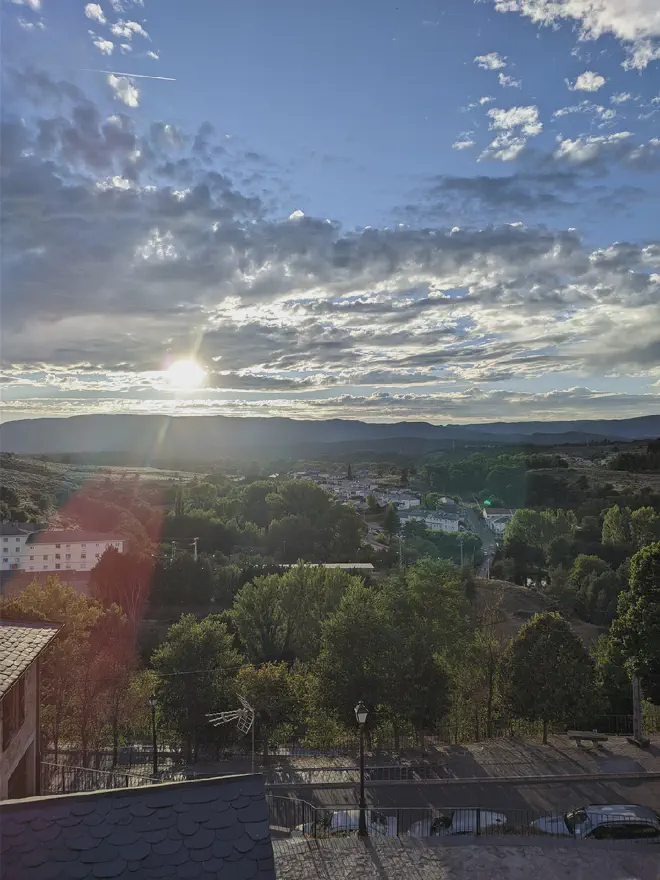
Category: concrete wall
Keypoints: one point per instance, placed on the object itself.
(24, 741)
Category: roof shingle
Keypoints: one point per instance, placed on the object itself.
(21, 642)
(153, 831)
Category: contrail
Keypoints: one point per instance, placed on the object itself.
(120, 73)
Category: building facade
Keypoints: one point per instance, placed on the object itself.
(434, 520)
(497, 518)
(21, 643)
(39, 551)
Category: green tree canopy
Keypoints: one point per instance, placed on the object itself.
(269, 690)
(547, 673)
(196, 667)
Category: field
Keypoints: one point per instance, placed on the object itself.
(515, 605)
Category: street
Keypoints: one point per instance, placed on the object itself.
(549, 796)
(479, 527)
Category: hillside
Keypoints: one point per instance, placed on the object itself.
(208, 438)
(515, 605)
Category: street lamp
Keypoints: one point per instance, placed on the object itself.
(361, 718)
(153, 703)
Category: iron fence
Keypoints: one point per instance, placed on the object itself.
(295, 818)
(66, 778)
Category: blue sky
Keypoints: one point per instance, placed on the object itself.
(430, 210)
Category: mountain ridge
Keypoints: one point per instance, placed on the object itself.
(208, 437)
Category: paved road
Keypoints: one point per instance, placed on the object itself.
(478, 526)
(493, 795)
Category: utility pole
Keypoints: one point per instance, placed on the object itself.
(194, 543)
(460, 541)
(638, 722)
(173, 551)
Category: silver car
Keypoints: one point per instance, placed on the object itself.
(603, 822)
(340, 823)
(467, 821)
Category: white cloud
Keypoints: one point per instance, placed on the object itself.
(587, 148)
(636, 23)
(516, 125)
(30, 25)
(94, 11)
(153, 55)
(128, 29)
(509, 82)
(526, 119)
(124, 90)
(35, 5)
(621, 98)
(587, 82)
(125, 47)
(104, 46)
(492, 61)
(464, 144)
(586, 107)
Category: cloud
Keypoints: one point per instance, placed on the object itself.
(30, 25)
(621, 97)
(104, 46)
(516, 125)
(463, 144)
(153, 55)
(605, 115)
(94, 11)
(617, 147)
(124, 90)
(587, 82)
(636, 24)
(128, 29)
(492, 61)
(125, 243)
(508, 82)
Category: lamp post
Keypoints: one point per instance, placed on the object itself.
(361, 717)
(153, 703)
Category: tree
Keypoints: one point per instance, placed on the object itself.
(269, 690)
(636, 629)
(617, 525)
(354, 642)
(391, 521)
(548, 675)
(196, 667)
(81, 664)
(349, 472)
(123, 579)
(644, 527)
(372, 503)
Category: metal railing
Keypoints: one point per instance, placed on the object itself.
(292, 817)
(66, 778)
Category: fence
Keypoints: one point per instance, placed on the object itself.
(66, 778)
(291, 817)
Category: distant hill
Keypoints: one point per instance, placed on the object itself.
(207, 438)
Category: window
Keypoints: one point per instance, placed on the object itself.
(13, 711)
(45, 556)
(83, 565)
(83, 545)
(5, 559)
(83, 556)
(97, 555)
(18, 539)
(57, 556)
(57, 545)
(68, 546)
(31, 558)
(5, 540)
(57, 565)
(32, 568)
(67, 556)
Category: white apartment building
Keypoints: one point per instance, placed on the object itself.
(434, 520)
(52, 550)
(497, 518)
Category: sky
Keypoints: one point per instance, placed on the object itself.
(430, 210)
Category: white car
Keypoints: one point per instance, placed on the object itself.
(603, 822)
(467, 821)
(340, 823)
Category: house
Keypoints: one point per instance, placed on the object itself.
(44, 550)
(207, 828)
(434, 520)
(497, 518)
(21, 644)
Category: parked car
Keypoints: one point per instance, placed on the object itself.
(603, 822)
(339, 823)
(467, 821)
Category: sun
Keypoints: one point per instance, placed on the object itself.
(185, 374)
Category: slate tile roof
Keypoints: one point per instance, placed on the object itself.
(208, 828)
(21, 642)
